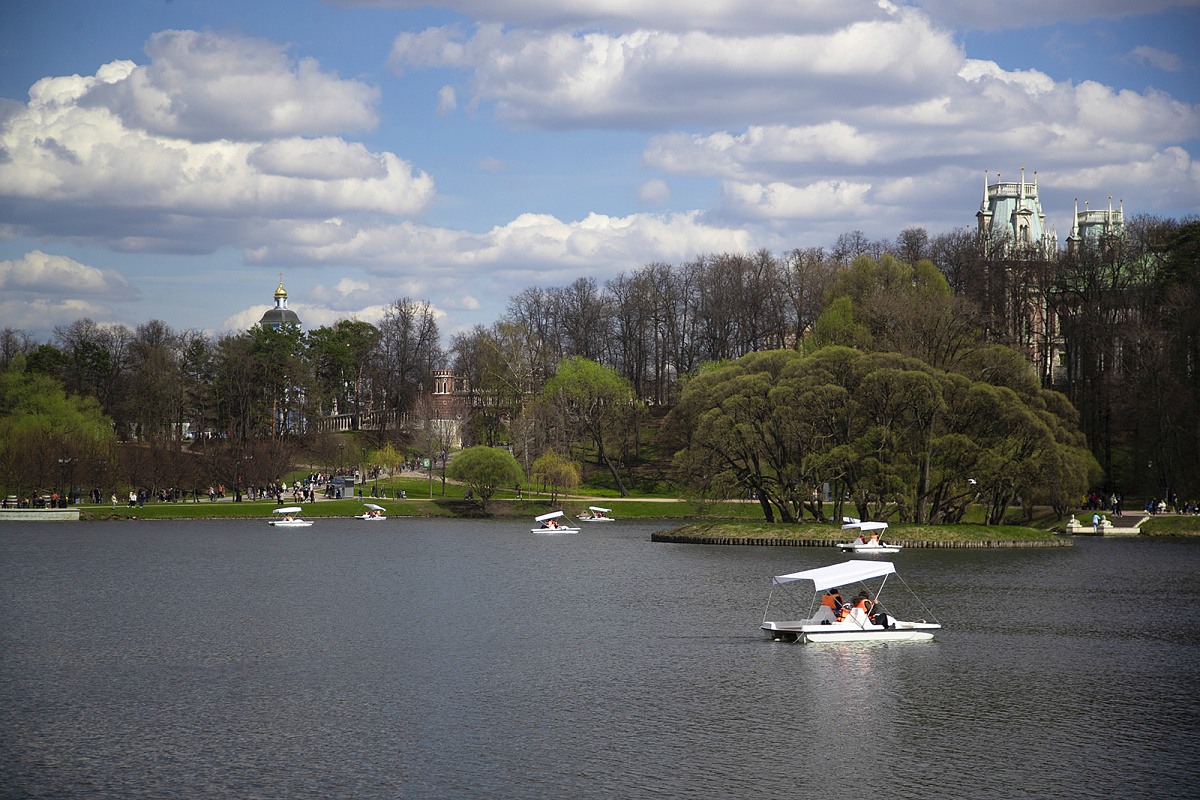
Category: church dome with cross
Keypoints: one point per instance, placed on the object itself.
(280, 315)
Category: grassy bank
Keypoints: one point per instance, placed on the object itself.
(452, 505)
(1170, 526)
(899, 533)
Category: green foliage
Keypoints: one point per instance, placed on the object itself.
(837, 327)
(40, 424)
(485, 469)
(599, 403)
(556, 472)
(899, 437)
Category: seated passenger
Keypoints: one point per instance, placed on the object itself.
(832, 600)
(863, 601)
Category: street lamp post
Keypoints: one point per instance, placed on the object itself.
(63, 464)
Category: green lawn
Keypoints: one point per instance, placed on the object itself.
(1171, 526)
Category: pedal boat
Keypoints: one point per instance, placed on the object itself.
(821, 626)
(374, 512)
(289, 521)
(864, 543)
(550, 524)
(597, 514)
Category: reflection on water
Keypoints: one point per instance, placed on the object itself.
(450, 659)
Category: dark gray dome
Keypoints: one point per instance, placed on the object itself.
(274, 317)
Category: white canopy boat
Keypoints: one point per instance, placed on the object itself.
(597, 514)
(289, 521)
(373, 512)
(550, 524)
(865, 543)
(864, 622)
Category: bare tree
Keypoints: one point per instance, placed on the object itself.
(410, 351)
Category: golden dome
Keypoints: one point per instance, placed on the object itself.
(280, 292)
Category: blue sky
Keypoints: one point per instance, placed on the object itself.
(167, 160)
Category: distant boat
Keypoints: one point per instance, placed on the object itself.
(289, 519)
(865, 543)
(597, 514)
(865, 619)
(373, 512)
(550, 524)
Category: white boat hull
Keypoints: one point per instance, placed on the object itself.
(596, 519)
(290, 523)
(368, 517)
(560, 529)
(850, 632)
(870, 548)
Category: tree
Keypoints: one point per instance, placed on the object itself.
(410, 352)
(342, 359)
(597, 400)
(484, 469)
(386, 458)
(556, 472)
(40, 424)
(898, 436)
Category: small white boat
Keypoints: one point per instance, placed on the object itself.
(597, 514)
(865, 543)
(373, 512)
(550, 524)
(289, 520)
(865, 621)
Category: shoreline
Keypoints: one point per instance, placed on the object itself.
(685, 527)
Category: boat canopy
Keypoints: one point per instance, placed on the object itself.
(287, 510)
(551, 515)
(839, 574)
(601, 510)
(374, 507)
(866, 526)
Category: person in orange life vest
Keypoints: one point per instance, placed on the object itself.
(864, 602)
(874, 538)
(833, 601)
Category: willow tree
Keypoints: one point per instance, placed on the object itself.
(897, 436)
(557, 473)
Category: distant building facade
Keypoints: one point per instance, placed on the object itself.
(1011, 218)
(1019, 251)
(1101, 230)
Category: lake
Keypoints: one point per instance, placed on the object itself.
(451, 659)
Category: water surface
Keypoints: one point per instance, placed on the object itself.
(440, 659)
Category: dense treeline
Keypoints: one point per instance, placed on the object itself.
(893, 434)
(1114, 329)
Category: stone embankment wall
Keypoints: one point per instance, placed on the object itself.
(678, 539)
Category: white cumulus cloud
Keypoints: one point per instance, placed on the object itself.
(206, 85)
(75, 146)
